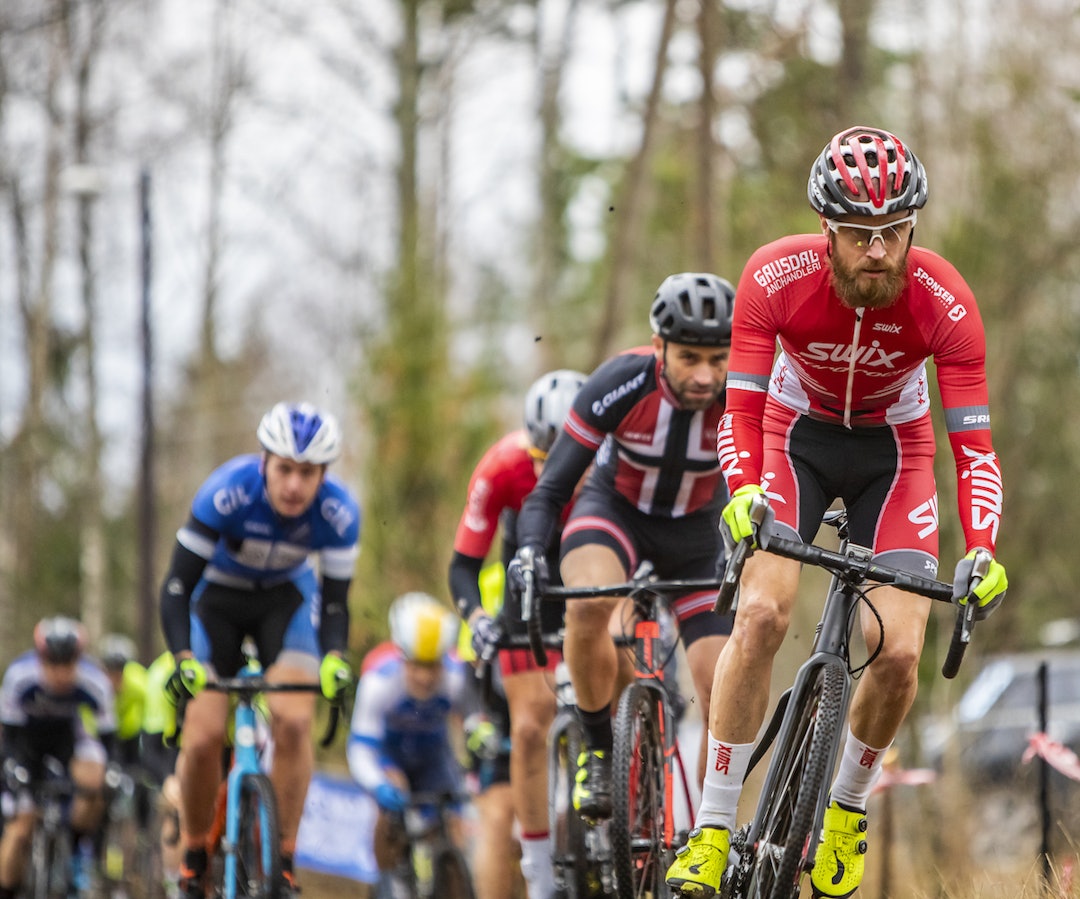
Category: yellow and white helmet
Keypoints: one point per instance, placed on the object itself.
(422, 627)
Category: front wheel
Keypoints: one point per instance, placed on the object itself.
(641, 828)
(801, 763)
(258, 859)
(453, 877)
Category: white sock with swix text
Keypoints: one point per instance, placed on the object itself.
(725, 768)
(860, 768)
(536, 865)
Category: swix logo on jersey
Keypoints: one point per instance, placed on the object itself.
(943, 294)
(787, 269)
(872, 356)
(613, 395)
(725, 448)
(927, 516)
(229, 499)
(337, 513)
(987, 493)
(722, 762)
(888, 327)
(982, 418)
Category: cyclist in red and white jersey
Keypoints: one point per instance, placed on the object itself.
(503, 477)
(844, 412)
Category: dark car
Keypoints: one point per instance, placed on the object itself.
(989, 728)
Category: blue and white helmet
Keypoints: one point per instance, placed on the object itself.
(300, 432)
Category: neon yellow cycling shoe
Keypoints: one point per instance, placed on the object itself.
(592, 785)
(841, 855)
(699, 864)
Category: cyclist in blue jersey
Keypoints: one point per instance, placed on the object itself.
(243, 566)
(412, 692)
(54, 701)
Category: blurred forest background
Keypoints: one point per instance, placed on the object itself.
(408, 209)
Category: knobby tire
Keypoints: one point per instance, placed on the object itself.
(638, 840)
(258, 860)
(452, 876)
(802, 762)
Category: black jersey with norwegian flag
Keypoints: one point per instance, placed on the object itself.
(657, 456)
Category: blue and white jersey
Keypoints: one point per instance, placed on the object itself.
(25, 702)
(258, 547)
(392, 729)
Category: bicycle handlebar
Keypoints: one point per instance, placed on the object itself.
(247, 688)
(859, 566)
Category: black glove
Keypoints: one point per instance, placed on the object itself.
(485, 637)
(528, 562)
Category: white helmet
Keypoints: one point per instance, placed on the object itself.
(547, 403)
(422, 627)
(300, 432)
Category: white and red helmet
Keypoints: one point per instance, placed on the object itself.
(866, 171)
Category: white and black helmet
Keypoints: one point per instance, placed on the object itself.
(547, 403)
(866, 171)
(300, 432)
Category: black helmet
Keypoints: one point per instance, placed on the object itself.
(694, 308)
(59, 640)
(866, 171)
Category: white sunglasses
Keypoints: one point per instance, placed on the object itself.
(862, 236)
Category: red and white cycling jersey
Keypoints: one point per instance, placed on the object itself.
(502, 479)
(862, 367)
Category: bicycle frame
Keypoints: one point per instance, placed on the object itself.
(771, 853)
(245, 761)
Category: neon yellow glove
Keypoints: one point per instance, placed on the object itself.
(736, 514)
(188, 678)
(335, 677)
(990, 591)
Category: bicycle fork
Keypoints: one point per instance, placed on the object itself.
(246, 761)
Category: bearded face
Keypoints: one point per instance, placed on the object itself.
(873, 283)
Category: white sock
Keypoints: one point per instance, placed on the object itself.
(536, 866)
(860, 768)
(725, 768)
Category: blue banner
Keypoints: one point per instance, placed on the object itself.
(336, 830)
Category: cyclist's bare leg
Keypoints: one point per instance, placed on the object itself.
(588, 649)
(88, 804)
(530, 696)
(15, 848)
(887, 688)
(740, 687)
(198, 766)
(701, 657)
(292, 716)
(495, 850)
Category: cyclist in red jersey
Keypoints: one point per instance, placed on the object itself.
(502, 479)
(844, 412)
(643, 426)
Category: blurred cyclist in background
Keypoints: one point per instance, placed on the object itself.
(505, 475)
(244, 564)
(54, 702)
(116, 653)
(406, 733)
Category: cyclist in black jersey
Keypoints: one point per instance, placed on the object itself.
(646, 420)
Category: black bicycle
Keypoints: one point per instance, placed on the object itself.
(632, 856)
(48, 872)
(771, 853)
(432, 864)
